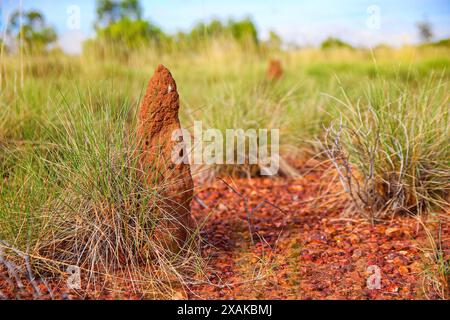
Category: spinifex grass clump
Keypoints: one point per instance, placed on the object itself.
(392, 148)
(80, 200)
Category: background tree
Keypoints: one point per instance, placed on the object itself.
(202, 31)
(425, 31)
(110, 11)
(31, 30)
(121, 23)
(242, 31)
(331, 42)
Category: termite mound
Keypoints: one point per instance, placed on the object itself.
(274, 70)
(158, 121)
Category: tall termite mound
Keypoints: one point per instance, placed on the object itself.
(274, 70)
(158, 121)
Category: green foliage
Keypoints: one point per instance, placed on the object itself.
(120, 27)
(243, 32)
(207, 30)
(334, 43)
(31, 29)
(130, 33)
(120, 23)
(442, 43)
(109, 11)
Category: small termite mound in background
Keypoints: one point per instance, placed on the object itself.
(275, 70)
(158, 121)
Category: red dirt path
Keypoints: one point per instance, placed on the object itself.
(304, 249)
(305, 246)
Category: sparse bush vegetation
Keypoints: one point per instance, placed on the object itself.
(70, 188)
(78, 199)
(391, 147)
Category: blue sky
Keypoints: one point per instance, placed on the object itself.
(305, 22)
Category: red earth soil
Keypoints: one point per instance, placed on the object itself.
(304, 245)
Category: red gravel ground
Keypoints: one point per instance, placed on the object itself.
(304, 245)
